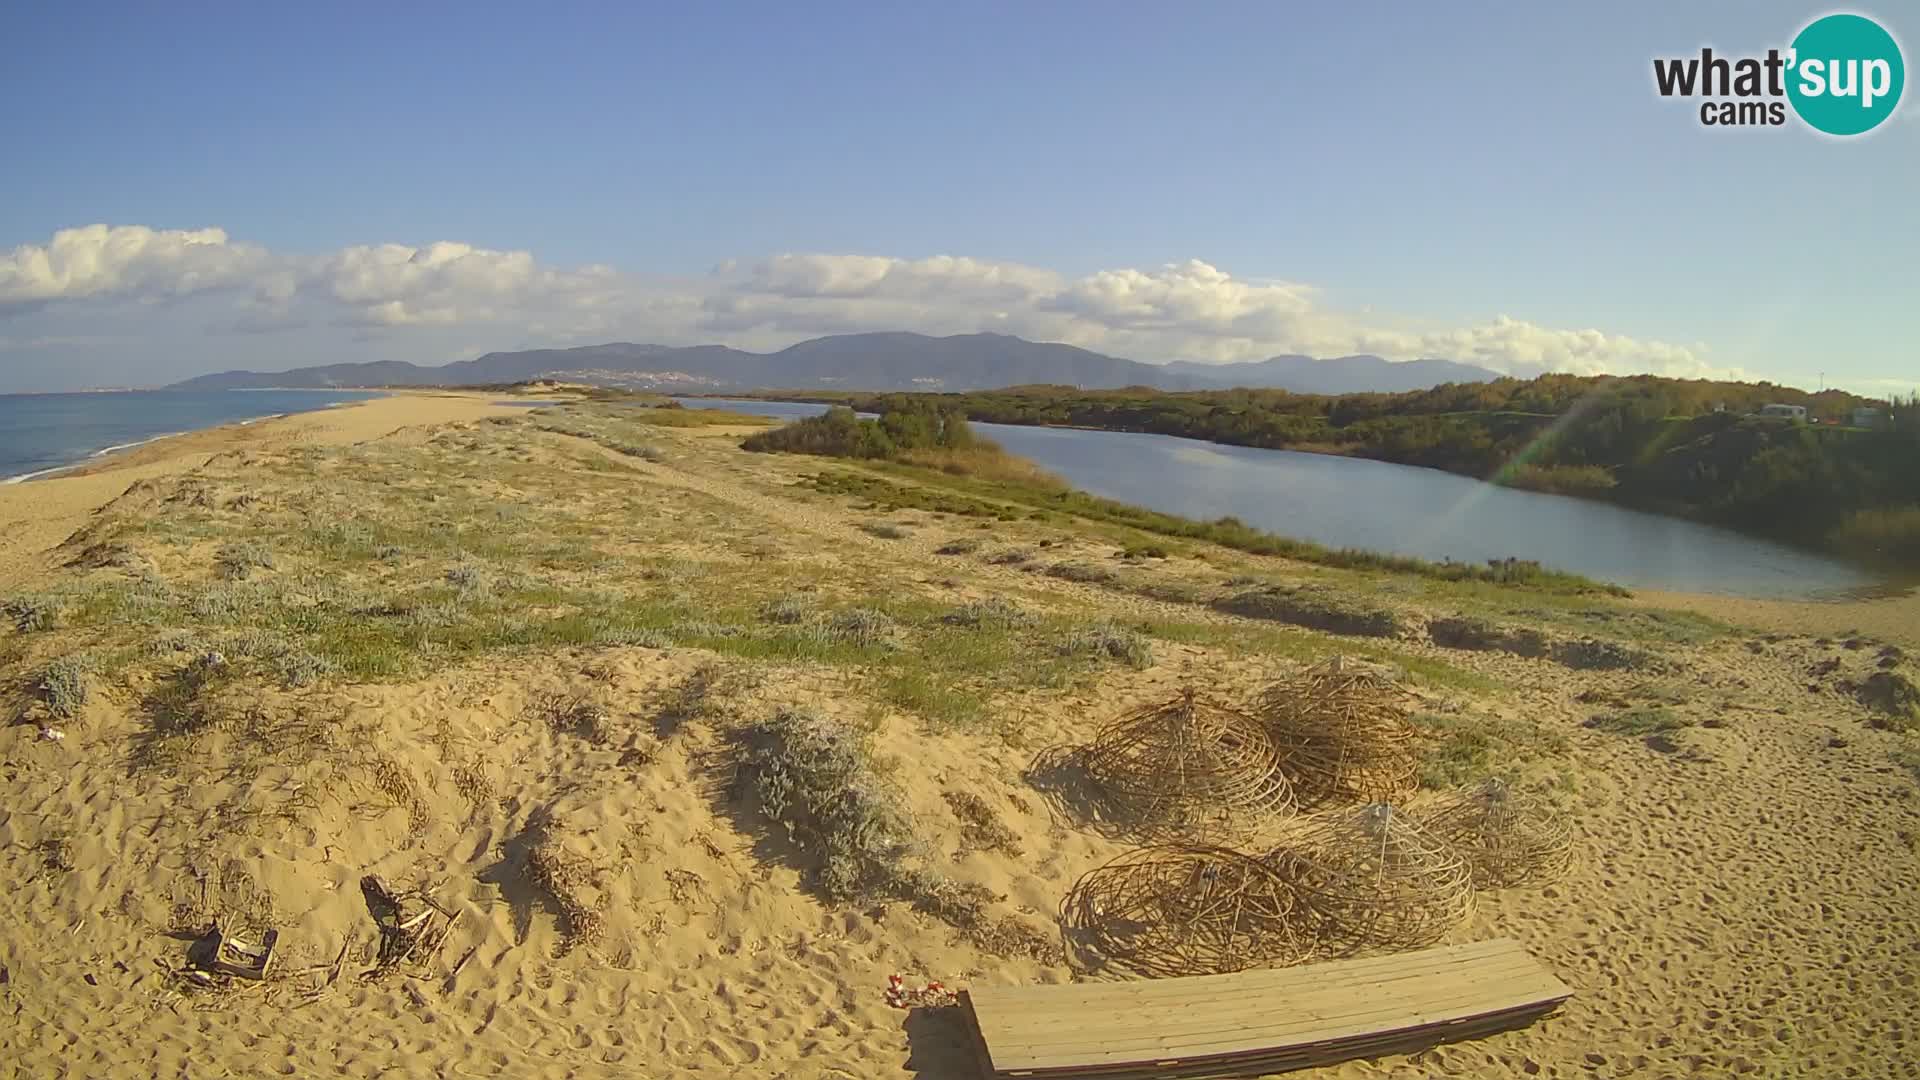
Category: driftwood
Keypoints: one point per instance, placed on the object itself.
(412, 926)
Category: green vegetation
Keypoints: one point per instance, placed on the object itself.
(1465, 749)
(1106, 639)
(31, 613)
(1890, 536)
(815, 780)
(63, 685)
(839, 433)
(1643, 721)
(1684, 446)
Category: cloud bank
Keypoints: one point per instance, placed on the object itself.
(401, 296)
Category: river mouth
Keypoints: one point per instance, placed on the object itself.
(1347, 502)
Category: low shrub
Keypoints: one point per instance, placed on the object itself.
(992, 611)
(32, 613)
(1314, 609)
(864, 628)
(813, 779)
(1648, 721)
(789, 610)
(963, 546)
(1111, 642)
(1894, 699)
(1081, 572)
(62, 685)
(1596, 654)
(1462, 632)
(238, 560)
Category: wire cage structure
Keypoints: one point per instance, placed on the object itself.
(1343, 734)
(1187, 909)
(1187, 768)
(1371, 879)
(1509, 839)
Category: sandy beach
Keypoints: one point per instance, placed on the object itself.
(1741, 903)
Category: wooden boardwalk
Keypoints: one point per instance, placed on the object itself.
(1265, 1021)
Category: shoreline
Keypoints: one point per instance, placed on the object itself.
(87, 457)
(36, 516)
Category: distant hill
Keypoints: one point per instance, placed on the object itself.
(879, 361)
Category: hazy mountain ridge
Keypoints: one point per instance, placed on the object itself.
(875, 361)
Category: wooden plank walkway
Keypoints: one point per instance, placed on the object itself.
(1265, 1021)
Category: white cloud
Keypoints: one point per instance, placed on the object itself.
(123, 260)
(1189, 310)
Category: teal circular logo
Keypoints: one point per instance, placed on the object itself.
(1845, 74)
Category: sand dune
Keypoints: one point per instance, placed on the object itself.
(1741, 902)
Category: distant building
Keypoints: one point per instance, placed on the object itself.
(1864, 417)
(1796, 413)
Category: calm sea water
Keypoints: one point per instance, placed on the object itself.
(1377, 506)
(44, 432)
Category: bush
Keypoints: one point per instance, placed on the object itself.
(886, 531)
(644, 453)
(812, 778)
(471, 580)
(1651, 721)
(1111, 642)
(1314, 609)
(1082, 572)
(993, 611)
(788, 610)
(238, 560)
(1595, 654)
(861, 627)
(63, 685)
(1887, 535)
(299, 668)
(1582, 480)
(1894, 698)
(964, 546)
(31, 613)
(1470, 633)
(1011, 557)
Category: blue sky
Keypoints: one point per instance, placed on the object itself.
(1219, 181)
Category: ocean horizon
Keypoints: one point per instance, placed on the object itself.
(45, 434)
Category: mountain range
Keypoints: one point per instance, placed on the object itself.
(877, 361)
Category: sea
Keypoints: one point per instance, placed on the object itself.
(41, 434)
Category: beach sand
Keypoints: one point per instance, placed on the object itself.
(1742, 900)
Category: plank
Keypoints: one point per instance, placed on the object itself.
(1264, 1020)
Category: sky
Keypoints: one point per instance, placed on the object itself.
(189, 188)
